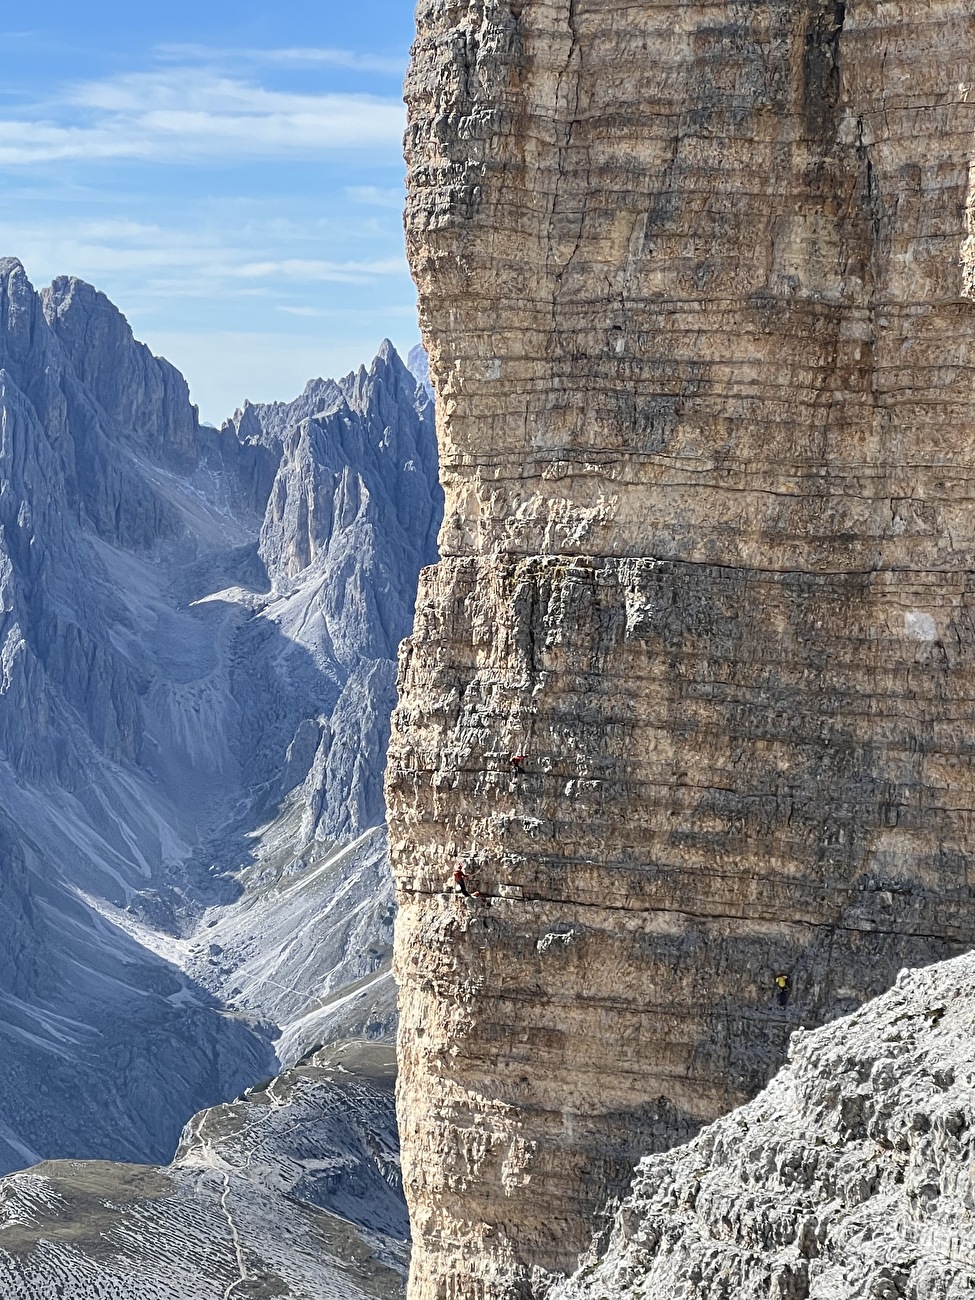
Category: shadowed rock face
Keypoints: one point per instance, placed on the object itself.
(197, 630)
(145, 398)
(694, 285)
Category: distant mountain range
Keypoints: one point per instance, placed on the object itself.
(197, 639)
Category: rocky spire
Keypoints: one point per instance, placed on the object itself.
(691, 283)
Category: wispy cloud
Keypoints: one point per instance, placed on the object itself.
(305, 312)
(181, 115)
(296, 268)
(250, 276)
(376, 196)
(297, 56)
(188, 262)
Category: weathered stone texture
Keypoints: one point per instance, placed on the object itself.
(849, 1177)
(693, 282)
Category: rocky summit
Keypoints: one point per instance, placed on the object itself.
(197, 640)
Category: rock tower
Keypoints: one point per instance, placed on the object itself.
(694, 280)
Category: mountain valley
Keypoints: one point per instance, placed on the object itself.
(198, 630)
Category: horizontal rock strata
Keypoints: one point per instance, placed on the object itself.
(694, 284)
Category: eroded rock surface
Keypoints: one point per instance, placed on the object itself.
(693, 285)
(848, 1177)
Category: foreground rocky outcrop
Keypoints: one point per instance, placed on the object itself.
(848, 1177)
(694, 282)
(292, 1190)
(197, 640)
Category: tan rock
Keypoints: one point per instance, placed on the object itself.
(693, 279)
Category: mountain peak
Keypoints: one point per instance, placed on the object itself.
(196, 647)
(145, 398)
(388, 371)
(418, 365)
(388, 358)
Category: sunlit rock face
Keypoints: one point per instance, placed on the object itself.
(197, 630)
(695, 286)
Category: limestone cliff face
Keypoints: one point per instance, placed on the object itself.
(694, 283)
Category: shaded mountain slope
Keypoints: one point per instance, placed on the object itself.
(196, 640)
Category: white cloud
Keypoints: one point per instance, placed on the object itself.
(205, 259)
(296, 268)
(253, 280)
(375, 196)
(176, 262)
(310, 56)
(184, 115)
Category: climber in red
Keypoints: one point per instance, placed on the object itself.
(460, 884)
(516, 762)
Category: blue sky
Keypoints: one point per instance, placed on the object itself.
(230, 174)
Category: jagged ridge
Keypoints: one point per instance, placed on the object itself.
(196, 640)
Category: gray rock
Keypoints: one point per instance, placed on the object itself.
(292, 1190)
(197, 629)
(848, 1177)
(144, 397)
(418, 364)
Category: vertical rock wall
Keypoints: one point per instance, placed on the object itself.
(693, 280)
